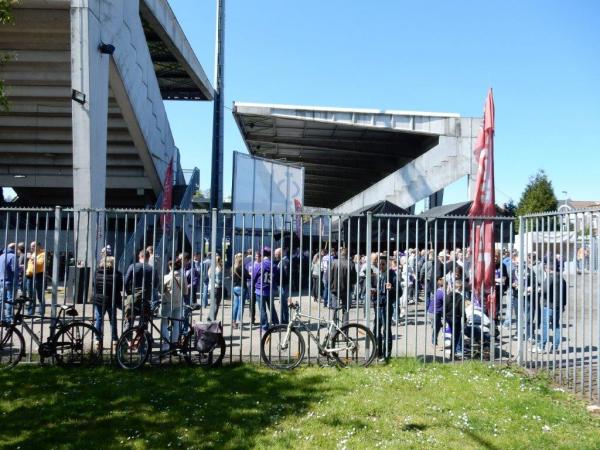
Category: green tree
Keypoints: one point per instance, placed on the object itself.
(6, 18)
(538, 197)
(510, 209)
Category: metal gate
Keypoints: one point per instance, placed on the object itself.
(405, 277)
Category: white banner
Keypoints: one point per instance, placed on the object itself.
(261, 185)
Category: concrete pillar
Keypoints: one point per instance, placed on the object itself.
(436, 199)
(89, 76)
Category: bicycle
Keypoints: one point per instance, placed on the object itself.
(135, 344)
(67, 343)
(283, 347)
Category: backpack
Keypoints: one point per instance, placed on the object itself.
(207, 335)
(136, 304)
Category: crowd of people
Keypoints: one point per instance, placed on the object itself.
(22, 272)
(337, 278)
(444, 283)
(145, 285)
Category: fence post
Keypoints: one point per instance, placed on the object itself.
(213, 263)
(520, 322)
(369, 250)
(56, 260)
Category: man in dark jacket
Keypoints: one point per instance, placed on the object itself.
(107, 297)
(531, 304)
(282, 285)
(138, 287)
(9, 277)
(502, 281)
(343, 275)
(455, 315)
(383, 298)
(554, 300)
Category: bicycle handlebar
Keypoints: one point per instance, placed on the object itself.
(17, 301)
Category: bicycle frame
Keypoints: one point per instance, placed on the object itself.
(163, 338)
(323, 347)
(55, 324)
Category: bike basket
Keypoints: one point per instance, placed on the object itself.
(207, 335)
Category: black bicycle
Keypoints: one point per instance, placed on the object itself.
(135, 346)
(71, 342)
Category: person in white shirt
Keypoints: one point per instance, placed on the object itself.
(174, 287)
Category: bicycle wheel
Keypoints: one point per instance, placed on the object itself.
(192, 356)
(357, 345)
(280, 353)
(12, 346)
(75, 345)
(133, 348)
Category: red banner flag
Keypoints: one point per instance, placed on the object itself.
(167, 200)
(482, 239)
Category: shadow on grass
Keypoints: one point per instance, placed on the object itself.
(414, 427)
(476, 438)
(157, 408)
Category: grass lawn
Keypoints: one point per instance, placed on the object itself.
(405, 404)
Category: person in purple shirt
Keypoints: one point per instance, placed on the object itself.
(263, 273)
(436, 309)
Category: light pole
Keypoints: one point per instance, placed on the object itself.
(216, 173)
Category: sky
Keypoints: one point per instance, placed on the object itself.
(542, 59)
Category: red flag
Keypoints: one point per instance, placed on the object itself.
(482, 240)
(167, 200)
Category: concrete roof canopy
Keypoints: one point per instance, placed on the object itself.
(344, 151)
(179, 73)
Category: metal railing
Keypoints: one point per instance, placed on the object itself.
(408, 278)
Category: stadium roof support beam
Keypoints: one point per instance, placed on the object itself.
(89, 77)
(89, 80)
(426, 175)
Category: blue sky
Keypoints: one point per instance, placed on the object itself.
(542, 59)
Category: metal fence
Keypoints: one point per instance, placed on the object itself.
(406, 277)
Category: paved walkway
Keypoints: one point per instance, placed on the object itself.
(575, 365)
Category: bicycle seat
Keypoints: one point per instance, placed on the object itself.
(69, 310)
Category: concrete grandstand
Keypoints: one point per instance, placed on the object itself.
(86, 83)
